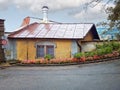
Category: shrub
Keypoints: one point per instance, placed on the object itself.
(119, 50)
(100, 52)
(108, 50)
(78, 55)
(115, 45)
(87, 54)
(90, 54)
(104, 51)
(48, 57)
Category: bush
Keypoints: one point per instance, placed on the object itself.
(108, 50)
(100, 52)
(119, 50)
(90, 54)
(104, 51)
(115, 45)
(78, 55)
(48, 57)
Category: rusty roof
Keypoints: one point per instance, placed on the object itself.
(53, 30)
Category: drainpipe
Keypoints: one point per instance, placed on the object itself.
(27, 49)
(78, 45)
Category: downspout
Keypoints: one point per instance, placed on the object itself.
(78, 45)
(27, 49)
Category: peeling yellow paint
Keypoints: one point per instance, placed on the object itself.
(63, 49)
(21, 49)
(26, 49)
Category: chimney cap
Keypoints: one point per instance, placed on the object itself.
(45, 7)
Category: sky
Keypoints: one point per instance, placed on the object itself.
(64, 11)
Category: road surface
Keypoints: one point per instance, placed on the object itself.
(95, 76)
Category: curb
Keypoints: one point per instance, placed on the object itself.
(67, 64)
(4, 67)
(64, 64)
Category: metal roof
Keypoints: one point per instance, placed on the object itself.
(53, 30)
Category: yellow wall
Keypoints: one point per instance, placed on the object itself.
(21, 50)
(62, 49)
(89, 37)
(24, 46)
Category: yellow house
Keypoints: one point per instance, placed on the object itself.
(61, 40)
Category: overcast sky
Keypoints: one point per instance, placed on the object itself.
(66, 11)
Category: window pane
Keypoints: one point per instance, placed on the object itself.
(40, 51)
(50, 50)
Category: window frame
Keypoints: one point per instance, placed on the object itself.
(37, 51)
(50, 47)
(45, 43)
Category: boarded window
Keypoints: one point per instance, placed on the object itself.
(50, 50)
(40, 51)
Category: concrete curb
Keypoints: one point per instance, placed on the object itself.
(4, 67)
(64, 64)
(67, 64)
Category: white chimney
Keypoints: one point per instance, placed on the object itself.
(45, 14)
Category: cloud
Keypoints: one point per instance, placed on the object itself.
(36, 5)
(75, 7)
(96, 13)
(4, 4)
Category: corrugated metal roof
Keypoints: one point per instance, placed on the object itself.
(53, 30)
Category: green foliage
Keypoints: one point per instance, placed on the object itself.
(104, 51)
(115, 45)
(105, 48)
(78, 55)
(48, 57)
(119, 50)
(108, 50)
(100, 52)
(90, 54)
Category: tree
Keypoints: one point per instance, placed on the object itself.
(113, 15)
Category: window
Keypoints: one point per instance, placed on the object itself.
(43, 50)
(50, 50)
(40, 51)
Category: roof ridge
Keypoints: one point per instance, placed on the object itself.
(65, 23)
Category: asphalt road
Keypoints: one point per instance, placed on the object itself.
(96, 76)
